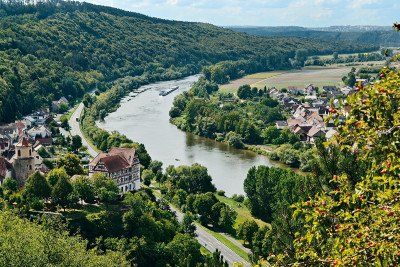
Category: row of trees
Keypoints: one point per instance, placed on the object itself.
(231, 120)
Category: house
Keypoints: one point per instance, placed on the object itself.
(332, 92)
(315, 132)
(39, 132)
(311, 90)
(44, 141)
(5, 144)
(38, 118)
(295, 90)
(6, 169)
(281, 124)
(9, 130)
(26, 160)
(55, 105)
(330, 134)
(120, 164)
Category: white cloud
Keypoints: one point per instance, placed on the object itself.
(267, 12)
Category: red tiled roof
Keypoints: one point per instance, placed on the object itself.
(115, 163)
(116, 159)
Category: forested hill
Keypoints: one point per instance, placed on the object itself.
(57, 48)
(380, 36)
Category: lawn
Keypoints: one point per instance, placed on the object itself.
(242, 211)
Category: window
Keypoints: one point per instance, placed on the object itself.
(30, 152)
(30, 167)
(19, 153)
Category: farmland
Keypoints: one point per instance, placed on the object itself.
(318, 76)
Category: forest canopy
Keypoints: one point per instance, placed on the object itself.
(50, 49)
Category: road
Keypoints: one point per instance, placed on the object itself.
(212, 244)
(76, 129)
(205, 239)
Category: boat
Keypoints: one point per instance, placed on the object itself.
(165, 93)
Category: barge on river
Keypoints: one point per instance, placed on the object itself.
(167, 92)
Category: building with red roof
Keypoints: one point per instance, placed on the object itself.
(120, 164)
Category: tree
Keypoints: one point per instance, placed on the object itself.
(105, 188)
(244, 92)
(87, 100)
(147, 177)
(335, 56)
(54, 175)
(185, 250)
(358, 224)
(60, 194)
(188, 226)
(71, 163)
(84, 188)
(156, 166)
(36, 244)
(64, 122)
(247, 230)
(203, 206)
(76, 143)
(37, 186)
(10, 185)
(301, 57)
(235, 140)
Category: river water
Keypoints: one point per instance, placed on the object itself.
(145, 119)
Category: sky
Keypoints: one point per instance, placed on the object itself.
(309, 13)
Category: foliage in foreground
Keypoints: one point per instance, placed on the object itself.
(25, 243)
(358, 224)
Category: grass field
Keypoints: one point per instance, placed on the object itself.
(318, 76)
(242, 211)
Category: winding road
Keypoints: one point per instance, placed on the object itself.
(204, 238)
(76, 129)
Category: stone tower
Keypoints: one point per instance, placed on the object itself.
(24, 161)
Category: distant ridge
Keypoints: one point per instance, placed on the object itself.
(361, 34)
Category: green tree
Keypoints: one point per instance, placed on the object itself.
(188, 226)
(105, 188)
(76, 143)
(60, 194)
(55, 174)
(64, 122)
(37, 244)
(71, 163)
(247, 231)
(11, 185)
(83, 186)
(147, 177)
(37, 186)
(185, 250)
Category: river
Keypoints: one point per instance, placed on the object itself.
(145, 119)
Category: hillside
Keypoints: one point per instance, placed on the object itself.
(373, 35)
(58, 48)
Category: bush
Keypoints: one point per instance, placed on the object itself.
(238, 198)
(221, 193)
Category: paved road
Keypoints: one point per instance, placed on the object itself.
(212, 244)
(76, 129)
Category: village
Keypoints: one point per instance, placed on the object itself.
(309, 107)
(33, 143)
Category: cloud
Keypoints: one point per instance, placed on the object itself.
(267, 12)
